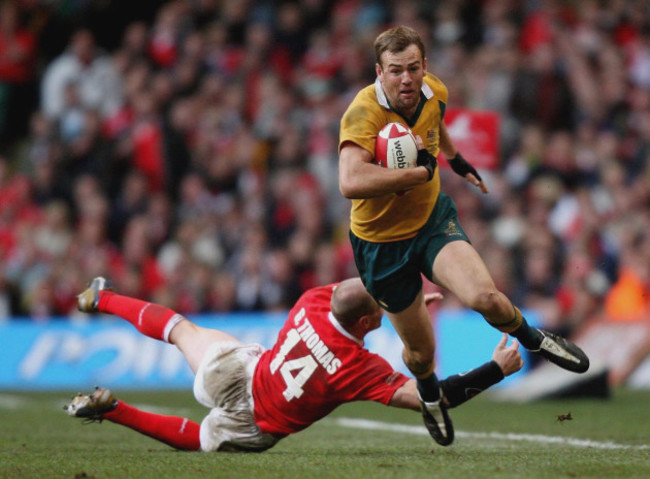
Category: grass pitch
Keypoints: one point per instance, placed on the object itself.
(605, 439)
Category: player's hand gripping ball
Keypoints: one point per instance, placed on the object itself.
(395, 147)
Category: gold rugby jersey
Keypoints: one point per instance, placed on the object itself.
(394, 217)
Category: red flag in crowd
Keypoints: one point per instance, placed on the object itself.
(476, 135)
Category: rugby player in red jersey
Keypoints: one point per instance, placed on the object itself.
(256, 396)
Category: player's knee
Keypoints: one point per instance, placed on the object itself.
(418, 361)
(486, 302)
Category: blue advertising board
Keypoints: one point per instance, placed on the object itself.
(65, 354)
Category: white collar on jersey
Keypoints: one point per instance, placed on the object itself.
(342, 330)
(383, 101)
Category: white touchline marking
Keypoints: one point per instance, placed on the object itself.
(421, 431)
(10, 401)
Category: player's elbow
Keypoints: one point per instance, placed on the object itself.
(349, 188)
(354, 180)
(346, 191)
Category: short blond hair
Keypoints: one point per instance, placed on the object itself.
(396, 40)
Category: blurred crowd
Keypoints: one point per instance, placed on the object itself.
(190, 153)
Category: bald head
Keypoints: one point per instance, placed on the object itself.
(351, 301)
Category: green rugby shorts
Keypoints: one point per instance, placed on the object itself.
(391, 271)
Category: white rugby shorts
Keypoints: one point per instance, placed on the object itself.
(223, 383)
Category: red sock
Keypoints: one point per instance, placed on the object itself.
(178, 432)
(150, 319)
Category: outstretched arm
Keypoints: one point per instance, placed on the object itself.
(457, 389)
(457, 162)
(506, 360)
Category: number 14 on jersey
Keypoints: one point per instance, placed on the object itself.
(295, 372)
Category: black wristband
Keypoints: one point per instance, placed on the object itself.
(458, 389)
(462, 167)
(427, 160)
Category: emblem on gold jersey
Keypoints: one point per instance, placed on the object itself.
(432, 140)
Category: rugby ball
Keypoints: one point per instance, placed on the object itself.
(395, 147)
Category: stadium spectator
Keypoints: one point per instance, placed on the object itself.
(628, 299)
(134, 44)
(258, 397)
(398, 238)
(597, 52)
(163, 41)
(83, 64)
(17, 72)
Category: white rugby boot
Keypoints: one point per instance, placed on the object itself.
(91, 407)
(88, 300)
(437, 421)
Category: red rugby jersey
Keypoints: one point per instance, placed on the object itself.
(314, 366)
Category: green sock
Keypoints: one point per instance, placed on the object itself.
(529, 337)
(429, 388)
